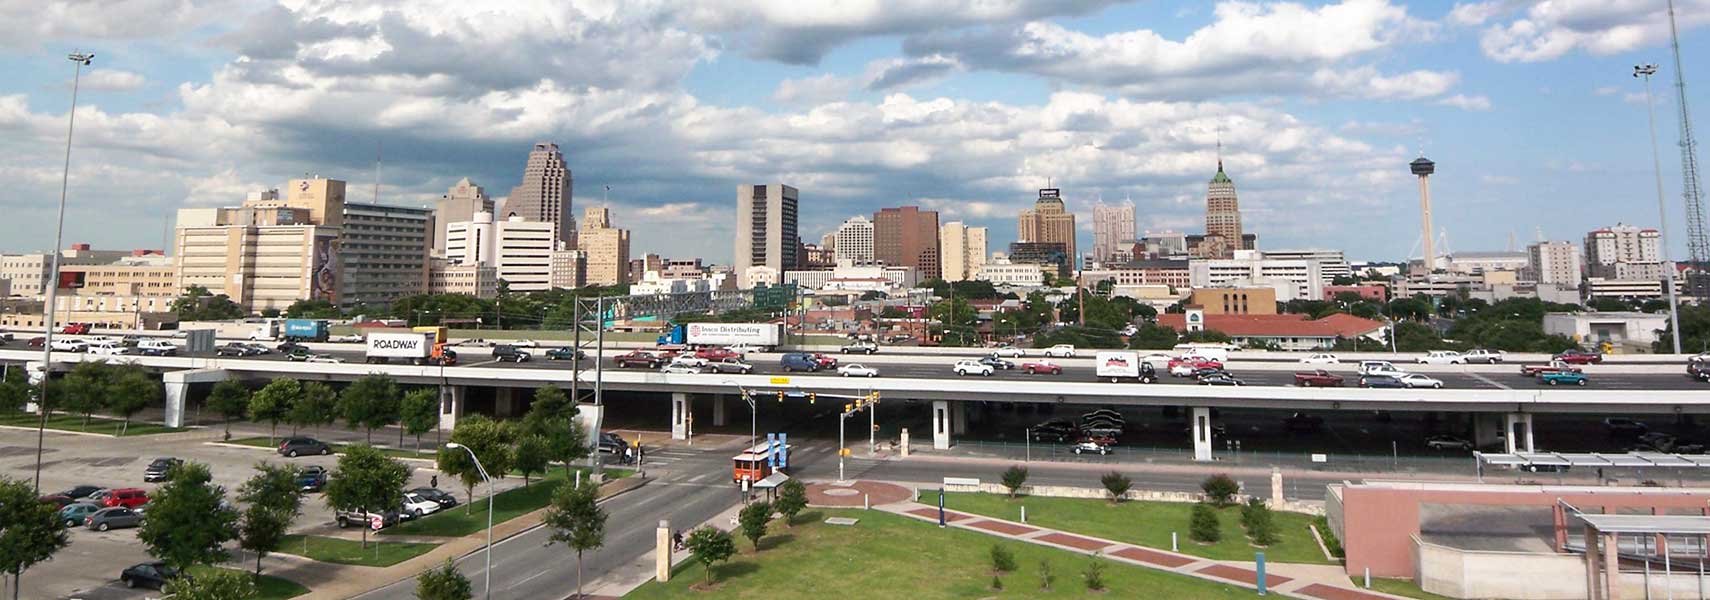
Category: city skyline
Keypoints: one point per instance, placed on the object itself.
(1315, 128)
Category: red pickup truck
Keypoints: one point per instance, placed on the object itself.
(1579, 357)
(1555, 366)
(1318, 378)
(638, 359)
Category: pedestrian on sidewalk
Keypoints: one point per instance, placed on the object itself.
(434, 482)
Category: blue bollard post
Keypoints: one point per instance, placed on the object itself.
(1259, 561)
(940, 507)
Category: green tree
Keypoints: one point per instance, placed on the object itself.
(370, 403)
(317, 405)
(312, 309)
(443, 582)
(83, 390)
(212, 584)
(491, 443)
(1219, 489)
(274, 486)
(1151, 336)
(1117, 484)
(1202, 526)
(1013, 478)
(1606, 304)
(261, 530)
(31, 531)
(1094, 575)
(187, 523)
(529, 456)
(198, 304)
(576, 521)
(366, 480)
(792, 499)
(552, 416)
(132, 390)
(1003, 561)
(15, 391)
(419, 413)
(710, 545)
(273, 403)
(230, 400)
(752, 521)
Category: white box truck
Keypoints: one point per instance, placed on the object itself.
(764, 335)
(410, 346)
(1117, 367)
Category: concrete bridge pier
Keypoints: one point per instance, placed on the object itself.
(1201, 432)
(681, 415)
(452, 399)
(505, 402)
(177, 385)
(958, 418)
(720, 416)
(1517, 428)
(1486, 428)
(941, 424)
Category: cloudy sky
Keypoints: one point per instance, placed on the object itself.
(965, 106)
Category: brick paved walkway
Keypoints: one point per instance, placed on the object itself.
(850, 495)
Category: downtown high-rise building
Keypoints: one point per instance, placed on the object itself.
(853, 241)
(1048, 222)
(766, 230)
(1554, 264)
(459, 204)
(1113, 232)
(605, 248)
(545, 194)
(907, 237)
(1223, 212)
(1624, 252)
(964, 250)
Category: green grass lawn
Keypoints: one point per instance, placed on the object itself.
(102, 425)
(1144, 523)
(470, 517)
(1402, 587)
(889, 556)
(269, 588)
(264, 442)
(347, 552)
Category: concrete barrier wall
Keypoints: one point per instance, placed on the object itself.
(1514, 575)
(1062, 491)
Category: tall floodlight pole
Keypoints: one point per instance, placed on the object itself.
(81, 60)
(1697, 242)
(1645, 72)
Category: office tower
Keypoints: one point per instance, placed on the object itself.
(1554, 264)
(459, 204)
(766, 234)
(1049, 222)
(907, 237)
(964, 250)
(1223, 214)
(544, 195)
(605, 248)
(1624, 252)
(1113, 231)
(854, 241)
(384, 252)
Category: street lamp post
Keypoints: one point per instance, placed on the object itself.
(1645, 72)
(483, 471)
(80, 59)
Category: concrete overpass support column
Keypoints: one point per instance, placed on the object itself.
(177, 385)
(504, 402)
(719, 418)
(1486, 428)
(1611, 567)
(680, 407)
(1201, 433)
(940, 425)
(958, 417)
(451, 401)
(1517, 433)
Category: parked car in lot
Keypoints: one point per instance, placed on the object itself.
(125, 497)
(73, 514)
(1625, 426)
(971, 367)
(510, 353)
(312, 478)
(1321, 359)
(75, 329)
(348, 518)
(638, 358)
(1318, 378)
(1561, 377)
(1219, 378)
(1579, 357)
(857, 370)
(861, 347)
(444, 499)
(114, 517)
(1381, 381)
(157, 469)
(1482, 355)
(1060, 351)
(731, 365)
(997, 363)
(80, 492)
(417, 506)
(1009, 352)
(152, 575)
(1447, 442)
(1415, 380)
(565, 353)
(1051, 434)
(56, 500)
(799, 361)
(300, 445)
(1091, 447)
(1657, 441)
(1034, 367)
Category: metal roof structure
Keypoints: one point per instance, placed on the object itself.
(1630, 460)
(1643, 524)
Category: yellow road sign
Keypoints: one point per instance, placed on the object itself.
(780, 381)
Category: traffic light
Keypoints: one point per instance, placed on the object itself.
(848, 408)
(812, 396)
(780, 397)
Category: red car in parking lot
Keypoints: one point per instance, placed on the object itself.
(126, 497)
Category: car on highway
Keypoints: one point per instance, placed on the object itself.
(1441, 357)
(110, 348)
(525, 343)
(300, 445)
(1090, 447)
(79, 492)
(445, 500)
(717, 354)
(416, 506)
(1318, 378)
(68, 345)
(971, 367)
(157, 348)
(1447, 442)
(1482, 355)
(73, 514)
(153, 575)
(1321, 359)
(311, 478)
(37, 342)
(1381, 381)
(1625, 426)
(235, 349)
(997, 363)
(510, 353)
(638, 358)
(1060, 351)
(861, 347)
(1034, 367)
(1561, 377)
(324, 358)
(1555, 366)
(857, 370)
(678, 367)
(125, 497)
(745, 349)
(1190, 367)
(565, 353)
(298, 354)
(1379, 367)
(1576, 356)
(75, 329)
(158, 469)
(1698, 369)
(731, 365)
(113, 517)
(799, 361)
(826, 361)
(1009, 352)
(1219, 378)
(1415, 380)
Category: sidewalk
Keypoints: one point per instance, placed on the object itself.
(1312, 582)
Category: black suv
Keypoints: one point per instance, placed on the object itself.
(295, 446)
(444, 499)
(506, 353)
(159, 469)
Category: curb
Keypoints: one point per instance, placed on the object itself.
(243, 447)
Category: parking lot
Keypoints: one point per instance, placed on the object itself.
(89, 567)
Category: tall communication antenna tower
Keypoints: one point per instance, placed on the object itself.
(1697, 244)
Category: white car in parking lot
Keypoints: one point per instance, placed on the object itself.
(1415, 380)
(855, 370)
(1321, 359)
(1442, 357)
(971, 367)
(417, 507)
(1060, 351)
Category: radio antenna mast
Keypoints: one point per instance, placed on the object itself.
(1697, 244)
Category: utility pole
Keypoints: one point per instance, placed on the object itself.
(52, 281)
(1645, 72)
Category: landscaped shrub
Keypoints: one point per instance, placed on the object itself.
(1203, 527)
(1322, 525)
(1003, 561)
(1013, 478)
(1095, 574)
(1220, 489)
(1046, 577)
